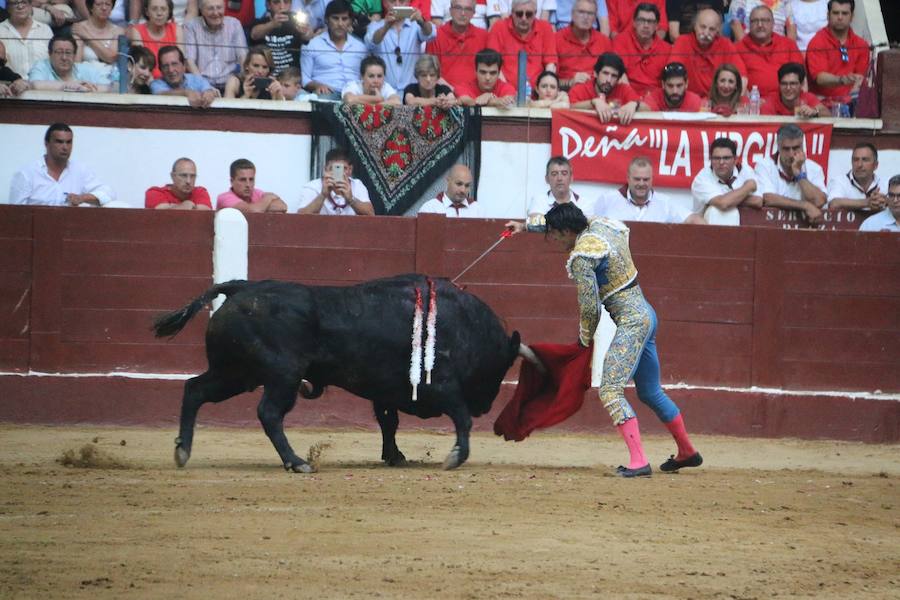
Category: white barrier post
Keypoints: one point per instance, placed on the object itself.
(230, 246)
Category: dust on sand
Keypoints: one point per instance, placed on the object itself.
(540, 519)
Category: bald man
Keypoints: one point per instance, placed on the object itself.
(703, 50)
(454, 201)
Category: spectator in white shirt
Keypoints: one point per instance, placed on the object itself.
(859, 188)
(723, 186)
(889, 218)
(455, 200)
(372, 88)
(336, 192)
(789, 180)
(559, 177)
(637, 201)
(55, 180)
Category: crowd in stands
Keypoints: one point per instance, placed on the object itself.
(616, 57)
(787, 180)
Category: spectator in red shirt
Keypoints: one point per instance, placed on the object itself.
(674, 95)
(182, 193)
(643, 52)
(837, 59)
(704, 50)
(487, 89)
(579, 43)
(621, 13)
(790, 100)
(764, 51)
(521, 31)
(457, 42)
(605, 94)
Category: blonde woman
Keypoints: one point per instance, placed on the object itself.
(427, 91)
(255, 81)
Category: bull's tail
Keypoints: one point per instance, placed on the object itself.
(170, 324)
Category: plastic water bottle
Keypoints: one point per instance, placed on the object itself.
(754, 100)
(527, 91)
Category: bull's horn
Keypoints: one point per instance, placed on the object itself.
(529, 355)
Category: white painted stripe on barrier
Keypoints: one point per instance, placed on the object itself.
(230, 248)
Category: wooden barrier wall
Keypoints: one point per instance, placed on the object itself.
(738, 307)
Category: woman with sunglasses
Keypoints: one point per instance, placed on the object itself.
(726, 96)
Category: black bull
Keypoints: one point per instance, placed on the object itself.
(277, 334)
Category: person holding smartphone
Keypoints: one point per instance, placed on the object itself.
(397, 39)
(336, 192)
(255, 81)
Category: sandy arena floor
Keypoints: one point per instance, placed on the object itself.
(539, 519)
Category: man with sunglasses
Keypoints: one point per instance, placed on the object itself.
(398, 41)
(764, 51)
(674, 95)
(643, 52)
(837, 59)
(523, 31)
(889, 218)
(457, 41)
(606, 94)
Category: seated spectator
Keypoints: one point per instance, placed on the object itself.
(427, 91)
(578, 44)
(336, 192)
(25, 38)
(58, 15)
(454, 201)
(704, 50)
(244, 195)
(683, 13)
(484, 13)
(558, 175)
(11, 83)
(215, 43)
(521, 31)
(606, 94)
(457, 41)
(547, 92)
(176, 82)
(255, 81)
(643, 53)
(140, 69)
(889, 218)
(332, 58)
(60, 72)
(291, 88)
(809, 17)
(282, 32)
(790, 99)
(182, 193)
(563, 14)
(674, 95)
(764, 51)
(837, 59)
(726, 97)
(98, 37)
(859, 188)
(741, 12)
(621, 16)
(398, 41)
(487, 89)
(55, 179)
(160, 29)
(790, 180)
(638, 201)
(719, 189)
(372, 88)
(182, 10)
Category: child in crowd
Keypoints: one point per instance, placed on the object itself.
(547, 93)
(427, 91)
(372, 88)
(291, 88)
(254, 81)
(141, 64)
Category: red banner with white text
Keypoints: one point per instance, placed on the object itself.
(679, 150)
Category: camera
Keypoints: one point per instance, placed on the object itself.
(262, 84)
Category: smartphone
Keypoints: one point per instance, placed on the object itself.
(403, 12)
(337, 171)
(262, 84)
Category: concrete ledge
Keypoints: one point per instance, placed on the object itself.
(127, 400)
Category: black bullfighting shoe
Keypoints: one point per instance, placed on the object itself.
(644, 471)
(671, 465)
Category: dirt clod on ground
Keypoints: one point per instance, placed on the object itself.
(90, 456)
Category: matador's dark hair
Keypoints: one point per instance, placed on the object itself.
(565, 217)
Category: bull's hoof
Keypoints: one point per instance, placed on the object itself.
(300, 467)
(453, 459)
(396, 460)
(181, 456)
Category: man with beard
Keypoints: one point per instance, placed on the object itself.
(182, 193)
(837, 59)
(559, 177)
(704, 50)
(282, 33)
(764, 50)
(643, 52)
(790, 100)
(674, 95)
(455, 201)
(860, 188)
(605, 94)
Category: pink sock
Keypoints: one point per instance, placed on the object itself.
(676, 428)
(632, 436)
